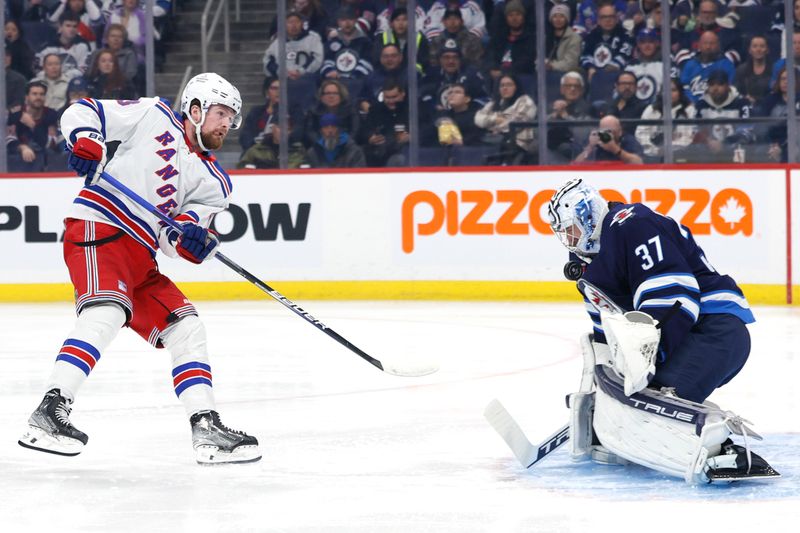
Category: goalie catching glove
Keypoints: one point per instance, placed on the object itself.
(633, 343)
(194, 243)
(88, 156)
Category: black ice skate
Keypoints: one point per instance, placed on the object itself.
(214, 443)
(49, 428)
(732, 465)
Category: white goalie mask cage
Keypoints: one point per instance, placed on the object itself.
(576, 213)
(210, 88)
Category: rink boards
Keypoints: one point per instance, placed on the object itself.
(428, 234)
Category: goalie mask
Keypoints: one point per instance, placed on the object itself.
(209, 89)
(576, 214)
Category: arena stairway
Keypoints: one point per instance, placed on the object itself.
(241, 66)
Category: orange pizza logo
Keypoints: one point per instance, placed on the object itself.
(727, 212)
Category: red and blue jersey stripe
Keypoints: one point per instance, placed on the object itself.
(80, 354)
(163, 106)
(190, 374)
(221, 176)
(116, 211)
(97, 107)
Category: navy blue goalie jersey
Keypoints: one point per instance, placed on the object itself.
(647, 262)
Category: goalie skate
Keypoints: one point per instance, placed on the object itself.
(50, 430)
(214, 443)
(733, 464)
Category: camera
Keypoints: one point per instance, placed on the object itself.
(605, 136)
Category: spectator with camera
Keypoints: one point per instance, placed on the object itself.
(385, 135)
(609, 144)
(334, 148)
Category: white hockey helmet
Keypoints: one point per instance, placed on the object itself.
(210, 88)
(576, 214)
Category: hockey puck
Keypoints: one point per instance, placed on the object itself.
(573, 270)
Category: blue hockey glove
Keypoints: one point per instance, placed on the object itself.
(196, 244)
(88, 156)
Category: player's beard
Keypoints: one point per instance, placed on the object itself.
(212, 141)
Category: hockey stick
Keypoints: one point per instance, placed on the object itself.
(527, 454)
(394, 369)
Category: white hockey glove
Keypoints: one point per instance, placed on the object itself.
(633, 342)
(88, 156)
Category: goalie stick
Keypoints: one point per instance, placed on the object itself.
(394, 369)
(527, 454)
(505, 425)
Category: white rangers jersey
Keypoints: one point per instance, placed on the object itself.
(155, 159)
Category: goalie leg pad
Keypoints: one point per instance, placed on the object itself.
(581, 405)
(656, 430)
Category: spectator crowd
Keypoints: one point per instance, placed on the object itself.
(477, 78)
(477, 72)
(59, 51)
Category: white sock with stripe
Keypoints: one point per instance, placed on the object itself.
(94, 330)
(191, 373)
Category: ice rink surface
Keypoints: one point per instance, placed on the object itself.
(350, 449)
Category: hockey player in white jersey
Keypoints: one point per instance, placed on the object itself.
(110, 246)
(668, 330)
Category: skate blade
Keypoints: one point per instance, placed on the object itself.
(39, 440)
(729, 477)
(211, 455)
